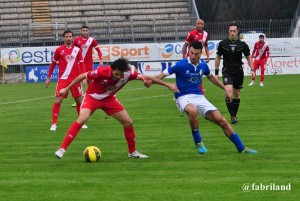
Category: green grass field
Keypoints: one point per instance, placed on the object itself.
(268, 121)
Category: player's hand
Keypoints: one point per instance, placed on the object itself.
(47, 82)
(252, 74)
(207, 59)
(84, 82)
(173, 87)
(228, 94)
(147, 83)
(101, 63)
(63, 91)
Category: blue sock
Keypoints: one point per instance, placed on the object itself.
(237, 142)
(196, 136)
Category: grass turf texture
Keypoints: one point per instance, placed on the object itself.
(268, 122)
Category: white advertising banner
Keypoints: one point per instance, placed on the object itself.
(274, 65)
(154, 68)
(279, 47)
(132, 52)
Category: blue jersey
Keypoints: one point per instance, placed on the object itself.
(188, 76)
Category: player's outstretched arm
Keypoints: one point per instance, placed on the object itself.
(217, 82)
(155, 80)
(78, 79)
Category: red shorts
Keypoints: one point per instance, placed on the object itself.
(75, 90)
(109, 105)
(257, 63)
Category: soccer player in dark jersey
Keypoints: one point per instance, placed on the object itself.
(232, 50)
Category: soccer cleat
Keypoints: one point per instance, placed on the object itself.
(60, 153)
(201, 148)
(261, 84)
(234, 120)
(137, 154)
(251, 84)
(249, 151)
(53, 127)
(74, 105)
(84, 126)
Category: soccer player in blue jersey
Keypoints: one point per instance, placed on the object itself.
(190, 99)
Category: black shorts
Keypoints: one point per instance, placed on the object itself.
(233, 76)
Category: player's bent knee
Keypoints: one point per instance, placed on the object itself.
(127, 123)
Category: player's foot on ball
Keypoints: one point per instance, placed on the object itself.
(74, 105)
(234, 120)
(60, 153)
(84, 126)
(137, 154)
(249, 151)
(261, 84)
(201, 148)
(53, 127)
(251, 84)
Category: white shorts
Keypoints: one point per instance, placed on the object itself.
(202, 104)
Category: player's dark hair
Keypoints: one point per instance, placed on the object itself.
(67, 31)
(233, 24)
(197, 45)
(261, 36)
(84, 27)
(120, 64)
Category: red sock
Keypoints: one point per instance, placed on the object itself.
(130, 138)
(71, 134)
(55, 112)
(78, 108)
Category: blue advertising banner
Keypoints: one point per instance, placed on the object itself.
(39, 73)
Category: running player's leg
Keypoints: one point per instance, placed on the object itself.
(86, 111)
(115, 109)
(185, 104)
(262, 73)
(256, 67)
(216, 117)
(237, 86)
(55, 112)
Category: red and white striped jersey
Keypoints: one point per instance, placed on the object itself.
(102, 83)
(261, 50)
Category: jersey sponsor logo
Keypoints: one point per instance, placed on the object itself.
(232, 47)
(69, 58)
(14, 56)
(194, 79)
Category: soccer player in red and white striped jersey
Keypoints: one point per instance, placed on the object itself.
(86, 45)
(70, 65)
(260, 53)
(101, 94)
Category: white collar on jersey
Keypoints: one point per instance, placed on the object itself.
(189, 61)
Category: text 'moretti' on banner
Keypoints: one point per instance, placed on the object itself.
(154, 68)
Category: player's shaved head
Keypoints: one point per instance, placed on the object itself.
(200, 21)
(199, 24)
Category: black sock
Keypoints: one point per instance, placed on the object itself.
(229, 107)
(236, 104)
